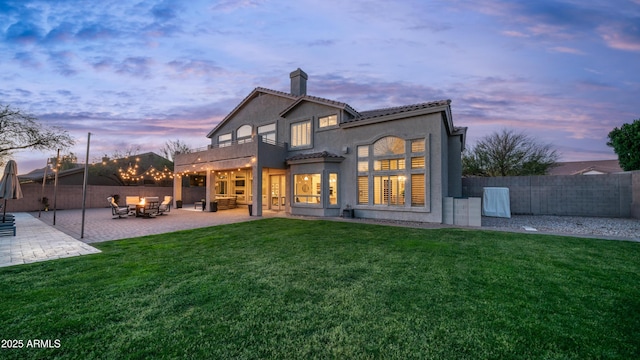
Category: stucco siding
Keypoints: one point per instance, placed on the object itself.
(394, 187)
(261, 110)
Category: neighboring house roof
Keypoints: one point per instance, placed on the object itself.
(147, 161)
(586, 167)
(38, 174)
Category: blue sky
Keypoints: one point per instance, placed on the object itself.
(139, 73)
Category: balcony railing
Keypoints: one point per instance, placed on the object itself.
(237, 142)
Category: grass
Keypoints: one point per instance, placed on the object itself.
(284, 288)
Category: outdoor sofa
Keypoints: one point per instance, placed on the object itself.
(7, 225)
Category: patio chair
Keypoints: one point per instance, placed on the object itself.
(200, 203)
(131, 202)
(119, 211)
(165, 205)
(151, 206)
(7, 224)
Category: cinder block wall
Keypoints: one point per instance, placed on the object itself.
(70, 196)
(635, 189)
(612, 195)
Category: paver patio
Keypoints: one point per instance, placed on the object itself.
(37, 239)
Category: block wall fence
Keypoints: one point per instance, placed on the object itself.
(70, 196)
(610, 195)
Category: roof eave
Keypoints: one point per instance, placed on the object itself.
(400, 115)
(245, 101)
(341, 106)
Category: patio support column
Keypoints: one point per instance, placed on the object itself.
(256, 188)
(210, 183)
(177, 189)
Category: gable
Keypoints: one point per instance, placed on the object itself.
(320, 101)
(261, 105)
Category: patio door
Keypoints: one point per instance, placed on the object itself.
(277, 194)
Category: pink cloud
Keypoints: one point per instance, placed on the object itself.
(621, 37)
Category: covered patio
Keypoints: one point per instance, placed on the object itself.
(251, 172)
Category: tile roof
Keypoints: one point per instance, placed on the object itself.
(357, 116)
(398, 109)
(320, 100)
(316, 155)
(581, 167)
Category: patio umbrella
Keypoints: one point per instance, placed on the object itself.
(9, 185)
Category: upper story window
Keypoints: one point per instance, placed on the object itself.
(268, 133)
(330, 120)
(224, 140)
(389, 145)
(418, 154)
(363, 158)
(243, 133)
(301, 134)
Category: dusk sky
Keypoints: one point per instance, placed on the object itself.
(139, 73)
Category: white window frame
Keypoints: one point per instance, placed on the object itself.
(268, 134)
(402, 170)
(301, 137)
(322, 124)
(242, 138)
(225, 140)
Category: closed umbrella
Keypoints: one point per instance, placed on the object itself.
(9, 185)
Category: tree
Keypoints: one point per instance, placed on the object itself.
(508, 153)
(170, 148)
(119, 165)
(67, 161)
(625, 141)
(20, 131)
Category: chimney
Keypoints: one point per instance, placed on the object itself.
(298, 83)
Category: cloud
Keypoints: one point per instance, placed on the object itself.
(61, 61)
(557, 20)
(137, 66)
(164, 11)
(232, 5)
(92, 32)
(27, 59)
(514, 33)
(622, 36)
(102, 63)
(23, 92)
(185, 68)
(63, 33)
(322, 42)
(590, 85)
(432, 26)
(567, 50)
(23, 33)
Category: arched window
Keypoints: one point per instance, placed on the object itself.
(389, 145)
(392, 172)
(243, 133)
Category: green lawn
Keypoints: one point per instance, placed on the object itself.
(285, 288)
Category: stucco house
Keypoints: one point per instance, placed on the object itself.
(306, 155)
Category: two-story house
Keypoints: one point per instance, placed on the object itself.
(307, 155)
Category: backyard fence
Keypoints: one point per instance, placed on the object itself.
(610, 195)
(70, 196)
